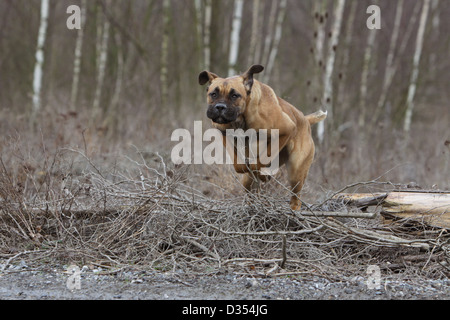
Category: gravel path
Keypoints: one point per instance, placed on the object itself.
(47, 283)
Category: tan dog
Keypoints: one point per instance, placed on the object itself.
(241, 102)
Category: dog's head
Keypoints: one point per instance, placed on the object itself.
(227, 98)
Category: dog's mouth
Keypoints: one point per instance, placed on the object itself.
(222, 116)
(222, 120)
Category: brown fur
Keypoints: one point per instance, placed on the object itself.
(258, 107)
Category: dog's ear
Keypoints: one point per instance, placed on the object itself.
(206, 77)
(248, 76)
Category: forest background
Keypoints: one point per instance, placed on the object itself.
(128, 77)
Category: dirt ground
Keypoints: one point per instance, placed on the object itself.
(23, 282)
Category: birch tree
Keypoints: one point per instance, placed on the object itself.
(235, 36)
(254, 37)
(269, 36)
(207, 34)
(435, 35)
(37, 76)
(258, 32)
(276, 40)
(342, 95)
(112, 119)
(319, 8)
(389, 71)
(204, 31)
(102, 56)
(416, 64)
(77, 59)
(396, 62)
(328, 80)
(165, 52)
(203, 17)
(198, 19)
(199, 28)
(320, 18)
(365, 76)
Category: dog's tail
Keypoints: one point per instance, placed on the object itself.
(316, 117)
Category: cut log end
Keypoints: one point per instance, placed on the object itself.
(431, 208)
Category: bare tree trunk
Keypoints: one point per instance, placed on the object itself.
(102, 59)
(435, 36)
(204, 31)
(77, 61)
(37, 77)
(235, 36)
(276, 40)
(328, 80)
(407, 35)
(389, 73)
(259, 46)
(207, 34)
(255, 32)
(320, 7)
(269, 36)
(320, 21)
(342, 91)
(112, 119)
(165, 52)
(365, 77)
(393, 69)
(416, 63)
(199, 29)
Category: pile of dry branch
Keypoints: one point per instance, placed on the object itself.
(151, 216)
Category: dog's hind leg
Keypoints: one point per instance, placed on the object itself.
(298, 167)
(247, 181)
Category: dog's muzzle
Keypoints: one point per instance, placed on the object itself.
(222, 114)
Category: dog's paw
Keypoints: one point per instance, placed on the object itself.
(296, 204)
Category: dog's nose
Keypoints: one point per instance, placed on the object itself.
(220, 107)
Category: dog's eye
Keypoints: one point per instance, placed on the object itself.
(213, 95)
(235, 96)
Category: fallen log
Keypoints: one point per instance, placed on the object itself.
(362, 200)
(327, 214)
(431, 208)
(85, 212)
